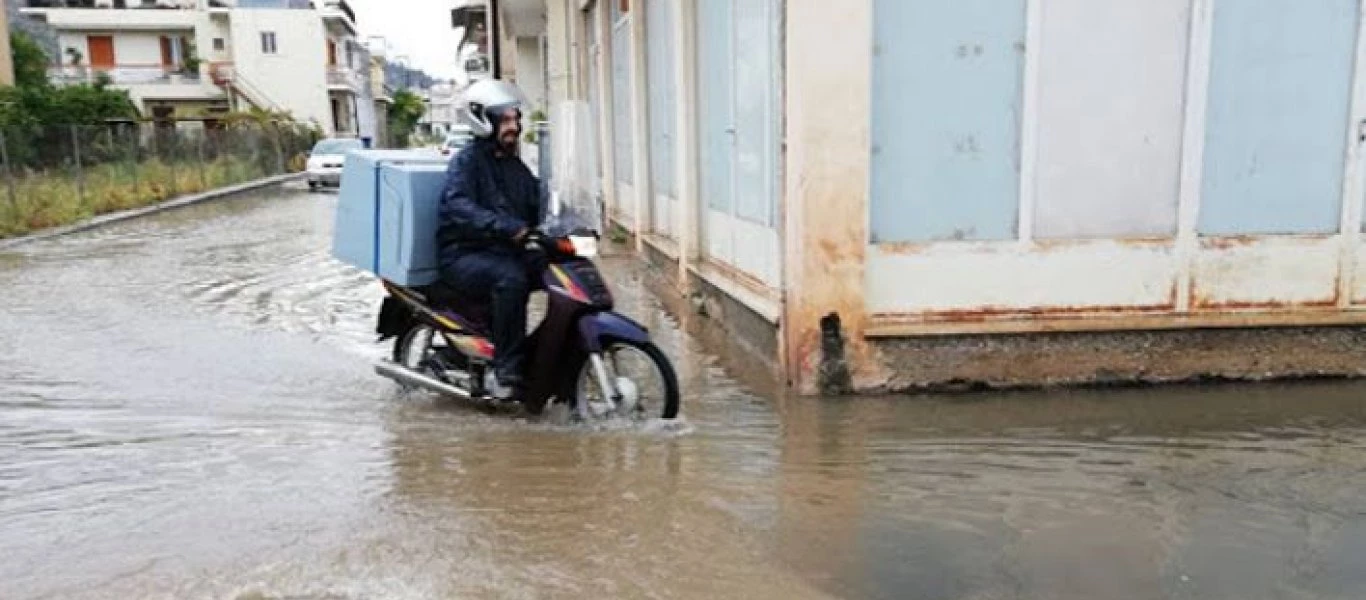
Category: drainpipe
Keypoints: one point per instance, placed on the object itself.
(495, 40)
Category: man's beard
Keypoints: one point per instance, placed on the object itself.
(508, 139)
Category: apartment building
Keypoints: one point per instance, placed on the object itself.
(194, 59)
(441, 115)
(381, 95)
(471, 19)
(347, 67)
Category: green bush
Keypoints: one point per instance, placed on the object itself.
(78, 151)
(50, 199)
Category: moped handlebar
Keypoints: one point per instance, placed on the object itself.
(581, 243)
(537, 240)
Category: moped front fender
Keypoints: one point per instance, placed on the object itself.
(597, 326)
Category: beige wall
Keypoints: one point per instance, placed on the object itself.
(6, 58)
(557, 13)
(826, 180)
(530, 76)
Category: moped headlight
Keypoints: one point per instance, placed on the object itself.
(584, 246)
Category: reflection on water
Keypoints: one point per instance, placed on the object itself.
(187, 410)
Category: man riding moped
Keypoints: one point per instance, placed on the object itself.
(490, 204)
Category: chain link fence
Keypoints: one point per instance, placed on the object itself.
(59, 174)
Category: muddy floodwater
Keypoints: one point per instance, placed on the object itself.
(188, 410)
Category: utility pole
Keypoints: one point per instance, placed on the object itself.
(6, 57)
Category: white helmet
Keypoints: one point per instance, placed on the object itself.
(483, 101)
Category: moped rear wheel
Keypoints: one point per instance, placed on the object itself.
(641, 372)
(424, 349)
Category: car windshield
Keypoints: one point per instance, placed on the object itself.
(336, 146)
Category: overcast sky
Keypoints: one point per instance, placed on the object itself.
(420, 29)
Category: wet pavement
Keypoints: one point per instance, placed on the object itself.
(187, 410)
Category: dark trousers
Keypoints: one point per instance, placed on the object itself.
(504, 280)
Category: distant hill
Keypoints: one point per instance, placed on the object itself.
(398, 77)
(40, 32)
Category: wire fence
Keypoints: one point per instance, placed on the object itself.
(58, 174)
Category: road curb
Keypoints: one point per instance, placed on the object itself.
(135, 213)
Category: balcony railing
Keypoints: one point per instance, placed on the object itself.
(117, 4)
(226, 75)
(123, 74)
(342, 6)
(341, 76)
(176, 4)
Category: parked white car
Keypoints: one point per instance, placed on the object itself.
(457, 139)
(326, 159)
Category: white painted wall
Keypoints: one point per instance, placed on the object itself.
(1146, 119)
(130, 48)
(69, 40)
(295, 77)
(215, 28)
(137, 56)
(558, 52)
(139, 49)
(86, 19)
(1112, 82)
(531, 73)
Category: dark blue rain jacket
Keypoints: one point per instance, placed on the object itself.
(487, 200)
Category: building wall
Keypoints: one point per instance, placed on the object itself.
(216, 28)
(138, 68)
(66, 41)
(558, 48)
(531, 75)
(687, 101)
(1141, 165)
(86, 19)
(739, 97)
(623, 132)
(662, 111)
(1193, 161)
(6, 58)
(382, 139)
(440, 116)
(344, 110)
(131, 49)
(294, 78)
(141, 48)
(1022, 166)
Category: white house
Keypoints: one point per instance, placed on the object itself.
(441, 114)
(192, 59)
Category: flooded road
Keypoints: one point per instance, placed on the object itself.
(187, 410)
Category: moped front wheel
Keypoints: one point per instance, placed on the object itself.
(642, 377)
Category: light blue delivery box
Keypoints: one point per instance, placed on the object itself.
(387, 213)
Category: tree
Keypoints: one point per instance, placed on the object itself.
(34, 101)
(34, 113)
(30, 62)
(403, 116)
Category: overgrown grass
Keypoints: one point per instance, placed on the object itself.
(54, 198)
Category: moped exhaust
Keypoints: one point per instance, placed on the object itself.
(403, 374)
